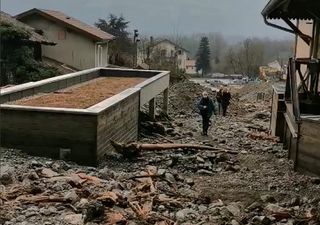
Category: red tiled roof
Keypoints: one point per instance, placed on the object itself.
(168, 41)
(95, 32)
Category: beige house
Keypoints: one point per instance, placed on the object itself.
(191, 67)
(79, 45)
(164, 49)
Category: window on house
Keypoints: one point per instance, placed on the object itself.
(179, 52)
(163, 52)
(62, 35)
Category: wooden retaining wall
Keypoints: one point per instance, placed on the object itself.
(308, 158)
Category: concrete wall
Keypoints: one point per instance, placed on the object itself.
(75, 50)
(87, 132)
(119, 121)
(153, 87)
(45, 133)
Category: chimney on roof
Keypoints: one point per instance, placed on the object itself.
(151, 40)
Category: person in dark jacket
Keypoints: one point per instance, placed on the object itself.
(206, 108)
(219, 96)
(225, 100)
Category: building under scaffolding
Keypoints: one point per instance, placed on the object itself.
(296, 108)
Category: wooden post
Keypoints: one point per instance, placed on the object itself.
(152, 109)
(165, 101)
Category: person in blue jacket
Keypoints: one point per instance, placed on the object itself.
(206, 108)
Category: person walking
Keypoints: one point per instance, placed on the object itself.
(225, 100)
(206, 108)
(219, 96)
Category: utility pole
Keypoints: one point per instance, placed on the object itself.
(135, 45)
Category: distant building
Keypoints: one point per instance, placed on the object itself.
(275, 64)
(164, 49)
(191, 67)
(79, 45)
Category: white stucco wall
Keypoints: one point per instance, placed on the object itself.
(77, 50)
(191, 67)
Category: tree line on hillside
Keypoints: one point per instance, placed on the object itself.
(223, 55)
(238, 56)
(213, 51)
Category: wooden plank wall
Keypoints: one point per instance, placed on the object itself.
(45, 133)
(119, 122)
(274, 113)
(309, 147)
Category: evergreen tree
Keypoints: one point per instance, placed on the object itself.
(203, 56)
(122, 48)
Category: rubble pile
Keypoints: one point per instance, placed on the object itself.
(245, 100)
(184, 97)
(249, 92)
(237, 175)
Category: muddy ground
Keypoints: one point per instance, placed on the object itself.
(255, 184)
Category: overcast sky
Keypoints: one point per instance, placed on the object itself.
(156, 17)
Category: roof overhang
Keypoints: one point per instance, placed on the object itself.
(292, 9)
(36, 11)
(289, 10)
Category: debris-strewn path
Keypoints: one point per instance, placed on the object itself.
(183, 186)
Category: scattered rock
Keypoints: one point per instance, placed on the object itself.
(234, 209)
(255, 206)
(48, 173)
(268, 198)
(169, 177)
(217, 203)
(205, 172)
(234, 222)
(185, 214)
(277, 211)
(200, 159)
(225, 212)
(189, 181)
(71, 196)
(7, 174)
(93, 210)
(74, 219)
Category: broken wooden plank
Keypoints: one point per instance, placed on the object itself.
(135, 149)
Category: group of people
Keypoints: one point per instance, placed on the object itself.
(207, 107)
